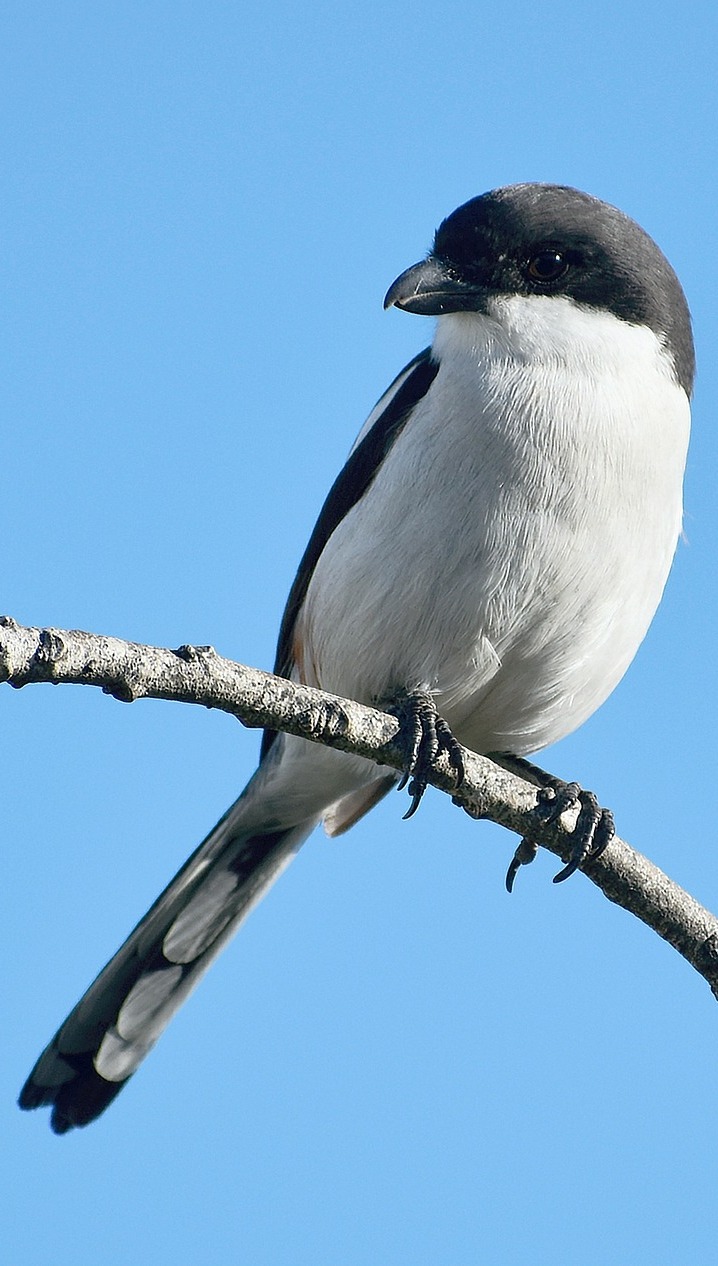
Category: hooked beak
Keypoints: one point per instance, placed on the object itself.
(429, 289)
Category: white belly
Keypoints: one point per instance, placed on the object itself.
(514, 546)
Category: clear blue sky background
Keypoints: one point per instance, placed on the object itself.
(202, 207)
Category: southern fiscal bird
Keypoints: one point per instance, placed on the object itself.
(487, 562)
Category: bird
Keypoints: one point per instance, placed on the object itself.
(487, 563)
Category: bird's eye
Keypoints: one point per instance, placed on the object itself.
(547, 265)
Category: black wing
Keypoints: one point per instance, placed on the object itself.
(351, 484)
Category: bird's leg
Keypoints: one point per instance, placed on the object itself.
(594, 827)
(424, 736)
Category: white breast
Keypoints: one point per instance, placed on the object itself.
(513, 547)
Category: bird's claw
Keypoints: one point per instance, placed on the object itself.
(425, 735)
(591, 835)
(524, 855)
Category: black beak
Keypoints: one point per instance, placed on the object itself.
(430, 289)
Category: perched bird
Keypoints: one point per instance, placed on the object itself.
(488, 561)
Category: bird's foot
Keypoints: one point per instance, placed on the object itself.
(594, 827)
(424, 735)
(591, 835)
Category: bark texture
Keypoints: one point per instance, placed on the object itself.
(197, 674)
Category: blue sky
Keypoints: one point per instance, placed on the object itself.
(395, 1062)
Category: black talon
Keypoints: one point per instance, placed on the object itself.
(425, 735)
(416, 792)
(524, 855)
(594, 827)
(583, 833)
(594, 831)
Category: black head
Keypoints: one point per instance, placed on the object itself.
(538, 239)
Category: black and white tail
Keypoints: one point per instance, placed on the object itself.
(122, 1014)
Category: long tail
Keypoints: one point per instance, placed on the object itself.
(122, 1014)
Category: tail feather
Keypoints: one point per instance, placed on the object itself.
(120, 1017)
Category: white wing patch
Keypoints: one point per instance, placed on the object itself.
(384, 401)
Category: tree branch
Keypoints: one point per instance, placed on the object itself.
(198, 675)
